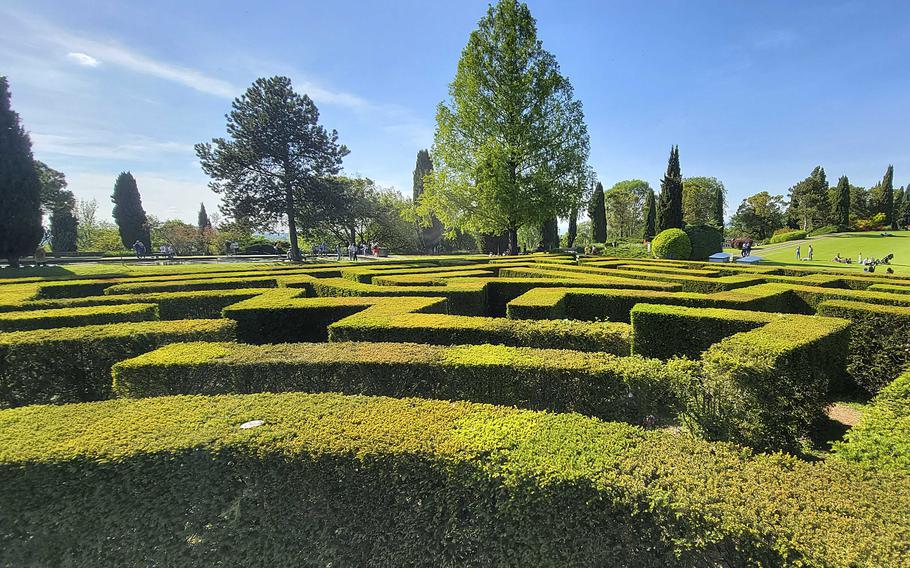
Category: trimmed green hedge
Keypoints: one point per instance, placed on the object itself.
(881, 440)
(463, 298)
(672, 244)
(705, 239)
(75, 317)
(360, 481)
(764, 388)
(74, 364)
(665, 331)
(596, 384)
(879, 341)
(193, 285)
(788, 236)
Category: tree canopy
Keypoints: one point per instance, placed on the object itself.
(625, 203)
(810, 205)
(703, 197)
(128, 212)
(758, 216)
(670, 202)
(276, 153)
(511, 144)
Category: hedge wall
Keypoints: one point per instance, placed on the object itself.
(879, 341)
(363, 481)
(74, 364)
(596, 384)
(192, 285)
(881, 440)
(664, 331)
(74, 317)
(788, 236)
(465, 299)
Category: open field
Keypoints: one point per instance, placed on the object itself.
(532, 410)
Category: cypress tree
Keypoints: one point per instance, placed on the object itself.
(573, 227)
(429, 236)
(598, 214)
(650, 216)
(203, 221)
(64, 229)
(719, 207)
(887, 205)
(549, 233)
(128, 212)
(842, 207)
(20, 188)
(669, 205)
(901, 209)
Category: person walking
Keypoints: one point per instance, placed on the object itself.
(139, 247)
(798, 255)
(810, 252)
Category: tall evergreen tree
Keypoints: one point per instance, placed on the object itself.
(719, 207)
(597, 211)
(430, 235)
(900, 207)
(128, 212)
(549, 234)
(64, 229)
(573, 227)
(842, 206)
(650, 216)
(887, 204)
(20, 188)
(203, 221)
(669, 205)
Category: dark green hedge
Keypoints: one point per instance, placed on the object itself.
(673, 244)
(74, 364)
(706, 240)
(363, 481)
(664, 331)
(879, 341)
(596, 384)
(75, 317)
(465, 299)
(192, 285)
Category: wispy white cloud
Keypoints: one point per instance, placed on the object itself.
(83, 59)
(105, 145)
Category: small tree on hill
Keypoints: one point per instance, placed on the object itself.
(20, 188)
(669, 205)
(597, 211)
(842, 206)
(203, 222)
(128, 212)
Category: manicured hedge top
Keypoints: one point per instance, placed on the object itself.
(69, 317)
(218, 327)
(712, 504)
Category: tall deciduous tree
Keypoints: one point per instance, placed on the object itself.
(128, 212)
(430, 232)
(511, 142)
(275, 156)
(650, 216)
(203, 222)
(53, 186)
(886, 205)
(669, 205)
(810, 206)
(700, 200)
(624, 203)
(842, 205)
(758, 216)
(598, 214)
(20, 188)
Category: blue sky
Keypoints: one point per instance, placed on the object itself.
(754, 93)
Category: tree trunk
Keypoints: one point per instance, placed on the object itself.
(294, 254)
(513, 240)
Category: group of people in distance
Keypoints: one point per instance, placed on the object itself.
(163, 250)
(355, 250)
(869, 263)
(799, 255)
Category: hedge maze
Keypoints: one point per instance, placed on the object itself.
(446, 411)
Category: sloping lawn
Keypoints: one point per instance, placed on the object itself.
(847, 245)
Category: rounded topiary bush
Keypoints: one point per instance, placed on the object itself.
(673, 244)
(706, 240)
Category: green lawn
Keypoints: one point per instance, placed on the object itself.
(845, 244)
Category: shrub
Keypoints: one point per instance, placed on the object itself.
(788, 236)
(705, 240)
(74, 364)
(596, 384)
(467, 298)
(826, 230)
(879, 346)
(672, 244)
(74, 317)
(175, 480)
(881, 440)
(191, 285)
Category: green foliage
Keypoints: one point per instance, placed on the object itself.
(881, 440)
(192, 285)
(826, 230)
(76, 316)
(810, 204)
(597, 214)
(276, 153)
(74, 364)
(670, 202)
(878, 340)
(650, 216)
(444, 483)
(672, 244)
(758, 216)
(701, 201)
(842, 203)
(202, 221)
(788, 236)
(705, 240)
(431, 235)
(20, 188)
(131, 219)
(511, 145)
(624, 204)
(886, 203)
(64, 230)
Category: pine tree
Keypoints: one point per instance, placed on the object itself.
(719, 207)
(887, 204)
(203, 221)
(128, 212)
(650, 216)
(20, 188)
(842, 207)
(64, 229)
(669, 205)
(598, 214)
(573, 227)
